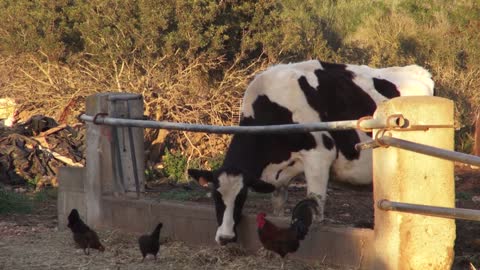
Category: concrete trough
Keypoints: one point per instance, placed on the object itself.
(196, 225)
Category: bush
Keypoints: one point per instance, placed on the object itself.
(193, 59)
(175, 165)
(12, 202)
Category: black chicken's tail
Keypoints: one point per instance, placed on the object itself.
(156, 232)
(302, 217)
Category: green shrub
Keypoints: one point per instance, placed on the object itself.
(190, 51)
(174, 165)
(12, 202)
(216, 161)
(45, 194)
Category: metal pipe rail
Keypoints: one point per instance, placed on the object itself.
(278, 129)
(436, 211)
(429, 150)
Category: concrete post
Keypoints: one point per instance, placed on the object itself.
(411, 241)
(102, 168)
(99, 176)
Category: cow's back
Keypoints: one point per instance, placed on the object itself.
(313, 91)
(280, 83)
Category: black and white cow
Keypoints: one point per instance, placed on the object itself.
(304, 92)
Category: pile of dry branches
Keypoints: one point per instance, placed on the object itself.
(179, 92)
(33, 151)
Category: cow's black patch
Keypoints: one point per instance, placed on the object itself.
(334, 66)
(327, 142)
(253, 152)
(386, 88)
(278, 174)
(219, 206)
(291, 163)
(338, 98)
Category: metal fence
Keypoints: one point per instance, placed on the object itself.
(365, 124)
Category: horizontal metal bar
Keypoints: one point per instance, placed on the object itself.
(124, 97)
(279, 129)
(429, 150)
(436, 211)
(366, 145)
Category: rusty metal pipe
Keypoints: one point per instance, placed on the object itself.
(436, 211)
(430, 150)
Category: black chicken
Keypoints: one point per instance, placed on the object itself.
(150, 244)
(85, 237)
(287, 240)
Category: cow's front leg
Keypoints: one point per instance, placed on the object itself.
(317, 171)
(319, 215)
(279, 199)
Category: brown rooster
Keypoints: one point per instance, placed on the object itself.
(85, 237)
(287, 240)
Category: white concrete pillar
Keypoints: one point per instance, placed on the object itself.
(99, 174)
(411, 241)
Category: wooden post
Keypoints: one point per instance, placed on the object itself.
(101, 176)
(413, 241)
(125, 105)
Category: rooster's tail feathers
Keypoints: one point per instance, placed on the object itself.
(302, 216)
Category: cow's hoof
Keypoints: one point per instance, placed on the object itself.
(319, 211)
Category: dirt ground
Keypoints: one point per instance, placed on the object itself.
(353, 206)
(33, 242)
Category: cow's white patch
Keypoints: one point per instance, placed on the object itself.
(357, 171)
(229, 186)
(411, 80)
(279, 174)
(274, 81)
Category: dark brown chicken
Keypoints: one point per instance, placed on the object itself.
(85, 237)
(287, 240)
(150, 243)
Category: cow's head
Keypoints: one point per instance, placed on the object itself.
(229, 192)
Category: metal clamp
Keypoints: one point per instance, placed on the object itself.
(379, 135)
(396, 121)
(96, 116)
(359, 121)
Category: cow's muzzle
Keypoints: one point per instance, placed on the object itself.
(225, 240)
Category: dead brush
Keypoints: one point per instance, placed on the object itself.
(219, 255)
(173, 91)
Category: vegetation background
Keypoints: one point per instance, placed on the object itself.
(192, 59)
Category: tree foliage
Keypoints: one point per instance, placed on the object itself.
(196, 46)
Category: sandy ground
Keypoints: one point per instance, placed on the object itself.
(44, 247)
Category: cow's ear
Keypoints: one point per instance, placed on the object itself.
(262, 186)
(203, 177)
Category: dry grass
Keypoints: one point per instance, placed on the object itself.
(46, 248)
(180, 94)
(379, 34)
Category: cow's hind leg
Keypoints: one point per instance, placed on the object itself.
(279, 199)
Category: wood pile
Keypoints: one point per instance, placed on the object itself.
(31, 152)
